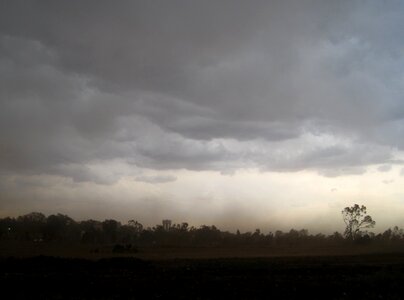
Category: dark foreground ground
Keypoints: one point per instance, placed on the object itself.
(327, 277)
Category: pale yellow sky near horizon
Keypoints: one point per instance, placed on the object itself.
(245, 200)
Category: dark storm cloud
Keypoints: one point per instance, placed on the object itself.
(220, 85)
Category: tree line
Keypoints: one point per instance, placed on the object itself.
(36, 227)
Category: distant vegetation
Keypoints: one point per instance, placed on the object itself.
(36, 227)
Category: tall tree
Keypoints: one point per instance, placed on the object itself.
(356, 219)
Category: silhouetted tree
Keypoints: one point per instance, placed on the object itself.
(184, 226)
(91, 231)
(136, 226)
(355, 219)
(32, 225)
(110, 228)
(60, 227)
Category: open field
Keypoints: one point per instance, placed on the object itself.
(317, 277)
(29, 249)
(57, 271)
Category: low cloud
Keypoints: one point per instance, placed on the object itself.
(155, 179)
(384, 168)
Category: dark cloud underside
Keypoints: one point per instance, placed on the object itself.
(203, 85)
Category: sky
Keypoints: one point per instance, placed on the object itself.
(243, 114)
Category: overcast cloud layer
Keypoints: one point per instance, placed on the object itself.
(96, 90)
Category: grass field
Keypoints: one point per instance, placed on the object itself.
(57, 249)
(366, 276)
